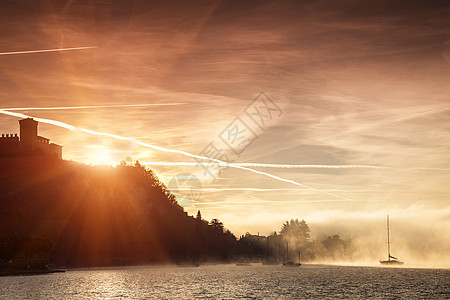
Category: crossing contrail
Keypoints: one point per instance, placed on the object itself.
(92, 106)
(213, 190)
(234, 189)
(47, 50)
(278, 166)
(293, 166)
(147, 145)
(252, 203)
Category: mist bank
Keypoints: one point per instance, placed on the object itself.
(420, 236)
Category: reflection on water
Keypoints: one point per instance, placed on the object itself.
(227, 282)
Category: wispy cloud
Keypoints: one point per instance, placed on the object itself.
(92, 106)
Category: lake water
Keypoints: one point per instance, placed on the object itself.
(229, 282)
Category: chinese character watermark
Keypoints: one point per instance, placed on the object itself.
(263, 110)
(240, 133)
(237, 137)
(211, 166)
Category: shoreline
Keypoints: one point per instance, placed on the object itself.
(28, 272)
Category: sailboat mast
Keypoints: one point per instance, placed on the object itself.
(287, 251)
(389, 246)
(185, 241)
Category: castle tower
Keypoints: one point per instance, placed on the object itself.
(28, 132)
(30, 143)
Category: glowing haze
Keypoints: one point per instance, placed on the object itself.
(362, 86)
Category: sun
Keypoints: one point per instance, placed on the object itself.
(100, 155)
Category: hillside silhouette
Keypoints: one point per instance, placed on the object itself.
(65, 214)
(62, 214)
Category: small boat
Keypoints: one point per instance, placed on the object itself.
(188, 264)
(391, 261)
(291, 263)
(244, 264)
(19, 272)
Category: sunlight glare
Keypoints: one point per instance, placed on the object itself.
(100, 155)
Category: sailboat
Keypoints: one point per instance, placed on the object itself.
(291, 263)
(391, 261)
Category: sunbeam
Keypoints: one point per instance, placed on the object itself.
(118, 137)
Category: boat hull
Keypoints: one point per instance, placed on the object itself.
(243, 264)
(391, 262)
(188, 265)
(291, 264)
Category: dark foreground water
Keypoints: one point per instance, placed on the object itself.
(230, 282)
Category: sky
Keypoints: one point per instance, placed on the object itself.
(342, 108)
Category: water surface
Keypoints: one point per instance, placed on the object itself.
(229, 282)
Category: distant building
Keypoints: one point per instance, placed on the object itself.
(30, 143)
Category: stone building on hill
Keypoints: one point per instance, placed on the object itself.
(29, 142)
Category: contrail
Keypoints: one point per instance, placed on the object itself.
(382, 191)
(92, 106)
(292, 166)
(284, 166)
(47, 121)
(278, 166)
(47, 50)
(234, 189)
(251, 203)
(168, 163)
(118, 137)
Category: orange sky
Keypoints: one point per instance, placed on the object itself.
(359, 85)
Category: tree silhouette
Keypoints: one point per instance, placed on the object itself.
(215, 223)
(297, 231)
